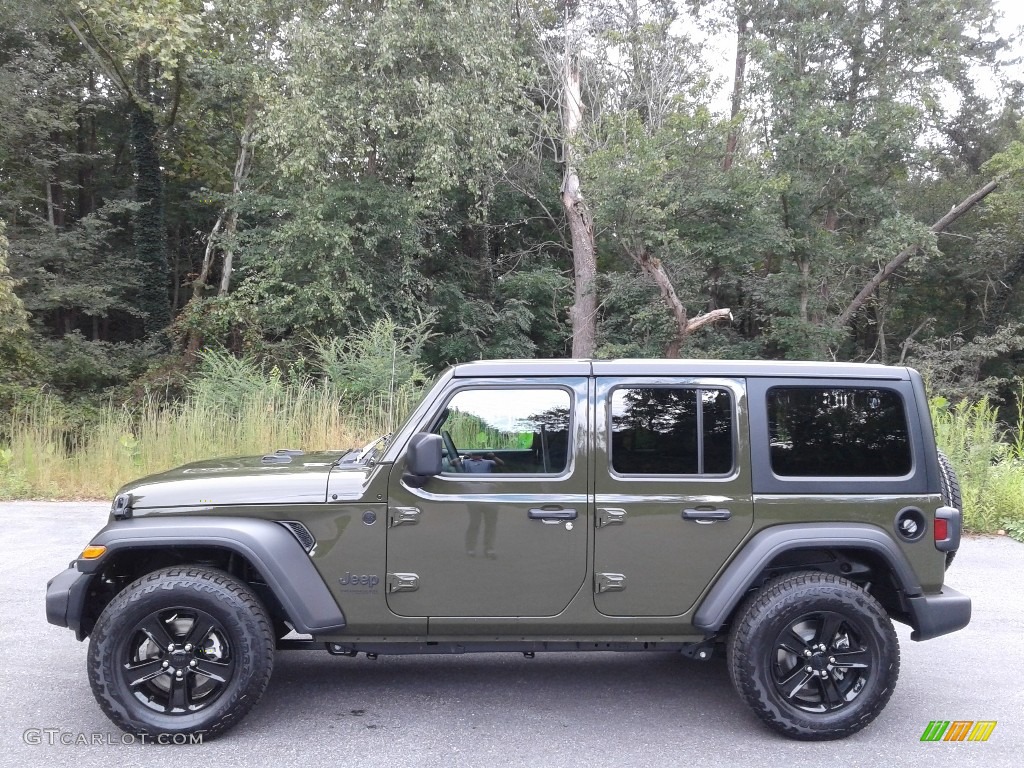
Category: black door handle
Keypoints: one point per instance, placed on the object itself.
(706, 514)
(552, 514)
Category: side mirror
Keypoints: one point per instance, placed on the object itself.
(422, 459)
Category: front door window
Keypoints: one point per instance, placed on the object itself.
(507, 431)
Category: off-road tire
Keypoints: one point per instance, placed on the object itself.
(951, 496)
(242, 633)
(756, 660)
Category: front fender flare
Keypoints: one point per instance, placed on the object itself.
(764, 546)
(271, 549)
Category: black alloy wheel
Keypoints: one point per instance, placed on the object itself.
(814, 655)
(177, 660)
(182, 650)
(821, 662)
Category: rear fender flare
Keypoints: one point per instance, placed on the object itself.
(768, 544)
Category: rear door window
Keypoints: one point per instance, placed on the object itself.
(671, 431)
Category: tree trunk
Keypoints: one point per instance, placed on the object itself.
(50, 218)
(86, 147)
(583, 313)
(176, 270)
(903, 256)
(804, 265)
(242, 168)
(742, 25)
(91, 149)
(228, 222)
(211, 246)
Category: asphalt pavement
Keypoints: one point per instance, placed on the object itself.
(594, 710)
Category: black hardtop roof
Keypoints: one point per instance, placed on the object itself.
(677, 367)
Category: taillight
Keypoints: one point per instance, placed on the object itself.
(946, 529)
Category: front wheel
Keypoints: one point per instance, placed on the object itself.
(814, 655)
(181, 651)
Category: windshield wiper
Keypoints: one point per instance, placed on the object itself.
(366, 454)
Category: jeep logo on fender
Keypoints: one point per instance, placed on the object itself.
(370, 580)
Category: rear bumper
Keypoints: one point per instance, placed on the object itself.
(934, 615)
(65, 599)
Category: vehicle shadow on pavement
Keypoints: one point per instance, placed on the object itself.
(602, 689)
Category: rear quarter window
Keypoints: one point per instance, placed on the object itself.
(837, 432)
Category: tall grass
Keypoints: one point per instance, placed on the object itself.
(234, 407)
(989, 460)
(46, 459)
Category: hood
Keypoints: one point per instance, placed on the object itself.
(244, 480)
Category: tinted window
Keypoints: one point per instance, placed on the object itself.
(837, 432)
(506, 431)
(671, 431)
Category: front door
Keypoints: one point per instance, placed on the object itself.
(673, 496)
(502, 531)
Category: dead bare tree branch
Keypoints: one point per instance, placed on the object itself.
(106, 62)
(652, 267)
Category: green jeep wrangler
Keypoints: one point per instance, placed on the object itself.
(787, 512)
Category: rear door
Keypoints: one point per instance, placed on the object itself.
(673, 492)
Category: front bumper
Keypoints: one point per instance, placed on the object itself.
(934, 615)
(65, 599)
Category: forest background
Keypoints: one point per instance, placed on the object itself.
(236, 225)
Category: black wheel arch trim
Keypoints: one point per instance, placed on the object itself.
(271, 549)
(763, 547)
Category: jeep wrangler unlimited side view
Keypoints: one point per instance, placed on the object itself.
(786, 511)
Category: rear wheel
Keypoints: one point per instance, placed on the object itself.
(181, 650)
(814, 656)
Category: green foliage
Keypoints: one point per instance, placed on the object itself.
(339, 253)
(221, 318)
(19, 362)
(234, 406)
(399, 160)
(956, 367)
(377, 362)
(990, 470)
(1014, 528)
(226, 382)
(78, 368)
(164, 31)
(150, 238)
(12, 312)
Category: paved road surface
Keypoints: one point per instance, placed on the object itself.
(591, 710)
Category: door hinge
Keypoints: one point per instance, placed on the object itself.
(609, 582)
(403, 582)
(609, 516)
(403, 516)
